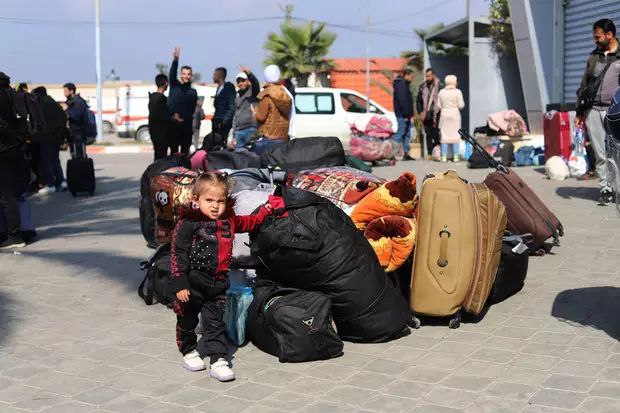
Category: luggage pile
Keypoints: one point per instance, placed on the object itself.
(347, 255)
(374, 143)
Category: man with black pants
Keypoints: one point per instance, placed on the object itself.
(10, 158)
(161, 121)
(76, 109)
(224, 104)
(427, 108)
(600, 81)
(182, 101)
(403, 109)
(50, 141)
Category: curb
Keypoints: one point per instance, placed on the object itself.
(96, 149)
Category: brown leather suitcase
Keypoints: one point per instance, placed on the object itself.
(445, 253)
(491, 219)
(526, 213)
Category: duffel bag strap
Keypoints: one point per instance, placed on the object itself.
(148, 297)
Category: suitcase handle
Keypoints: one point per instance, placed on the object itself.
(473, 142)
(444, 235)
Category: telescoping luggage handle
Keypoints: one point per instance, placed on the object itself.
(473, 142)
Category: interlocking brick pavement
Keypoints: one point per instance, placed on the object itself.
(75, 337)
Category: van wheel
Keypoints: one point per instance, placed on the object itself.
(107, 127)
(143, 135)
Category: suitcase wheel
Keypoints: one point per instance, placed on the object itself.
(455, 322)
(414, 322)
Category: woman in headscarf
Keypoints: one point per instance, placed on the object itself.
(273, 112)
(450, 102)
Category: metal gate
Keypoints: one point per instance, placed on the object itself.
(579, 16)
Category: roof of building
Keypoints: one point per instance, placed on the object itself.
(376, 64)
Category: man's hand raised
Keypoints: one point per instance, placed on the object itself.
(176, 53)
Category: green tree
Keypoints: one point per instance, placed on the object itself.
(300, 50)
(501, 27)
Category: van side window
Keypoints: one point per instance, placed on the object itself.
(355, 104)
(314, 103)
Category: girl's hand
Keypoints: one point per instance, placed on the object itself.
(269, 208)
(183, 295)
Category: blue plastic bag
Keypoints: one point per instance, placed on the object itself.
(239, 296)
(524, 156)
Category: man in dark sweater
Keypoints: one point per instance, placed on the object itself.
(10, 153)
(403, 109)
(76, 109)
(50, 140)
(161, 120)
(182, 102)
(224, 103)
(600, 81)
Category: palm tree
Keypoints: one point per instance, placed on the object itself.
(300, 50)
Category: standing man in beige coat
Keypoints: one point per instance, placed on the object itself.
(450, 102)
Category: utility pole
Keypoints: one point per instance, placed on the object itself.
(288, 11)
(367, 58)
(98, 71)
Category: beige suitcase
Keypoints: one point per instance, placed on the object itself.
(491, 218)
(445, 253)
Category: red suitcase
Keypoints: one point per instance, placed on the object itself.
(557, 134)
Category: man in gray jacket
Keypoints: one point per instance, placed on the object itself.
(244, 123)
(598, 86)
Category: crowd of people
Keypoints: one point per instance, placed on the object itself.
(257, 118)
(34, 128)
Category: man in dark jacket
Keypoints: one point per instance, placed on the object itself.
(244, 123)
(161, 120)
(50, 141)
(182, 102)
(600, 81)
(77, 113)
(10, 153)
(224, 103)
(427, 108)
(403, 109)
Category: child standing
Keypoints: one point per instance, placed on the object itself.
(201, 251)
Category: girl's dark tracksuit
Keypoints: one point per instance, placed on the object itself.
(200, 255)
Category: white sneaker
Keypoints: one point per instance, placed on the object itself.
(46, 190)
(193, 362)
(62, 187)
(221, 371)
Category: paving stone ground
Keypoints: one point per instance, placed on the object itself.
(75, 337)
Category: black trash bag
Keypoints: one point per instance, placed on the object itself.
(316, 247)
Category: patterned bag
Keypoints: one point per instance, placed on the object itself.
(170, 190)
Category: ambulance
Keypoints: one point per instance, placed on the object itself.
(132, 116)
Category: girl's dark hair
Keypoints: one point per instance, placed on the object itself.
(207, 179)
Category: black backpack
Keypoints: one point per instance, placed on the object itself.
(147, 213)
(157, 278)
(90, 127)
(30, 115)
(512, 269)
(291, 324)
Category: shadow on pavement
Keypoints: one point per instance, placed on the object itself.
(588, 193)
(598, 307)
(9, 315)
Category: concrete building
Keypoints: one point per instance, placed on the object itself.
(489, 82)
(553, 40)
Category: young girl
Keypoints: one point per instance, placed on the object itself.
(200, 252)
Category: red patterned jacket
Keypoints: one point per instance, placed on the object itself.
(201, 249)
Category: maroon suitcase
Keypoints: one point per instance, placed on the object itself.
(558, 140)
(526, 213)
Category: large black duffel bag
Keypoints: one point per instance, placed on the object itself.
(147, 213)
(305, 153)
(512, 268)
(237, 159)
(291, 324)
(155, 287)
(316, 247)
